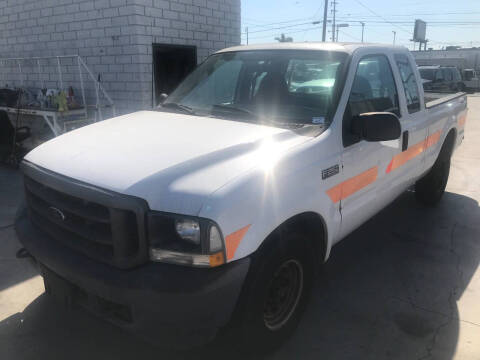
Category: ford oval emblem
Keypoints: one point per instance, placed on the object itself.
(56, 213)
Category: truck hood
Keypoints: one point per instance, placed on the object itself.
(173, 161)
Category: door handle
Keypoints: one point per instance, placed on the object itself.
(405, 140)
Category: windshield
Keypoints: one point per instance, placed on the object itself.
(288, 87)
(427, 74)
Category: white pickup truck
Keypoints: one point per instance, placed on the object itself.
(219, 207)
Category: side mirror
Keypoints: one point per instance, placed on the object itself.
(377, 126)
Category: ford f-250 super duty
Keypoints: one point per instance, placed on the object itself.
(219, 207)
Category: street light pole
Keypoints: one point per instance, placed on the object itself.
(394, 36)
(363, 28)
(246, 30)
(324, 33)
(340, 26)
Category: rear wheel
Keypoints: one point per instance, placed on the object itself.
(429, 189)
(275, 294)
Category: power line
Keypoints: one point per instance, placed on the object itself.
(286, 33)
(376, 22)
(380, 21)
(282, 22)
(380, 16)
(416, 14)
(349, 35)
(443, 22)
(285, 27)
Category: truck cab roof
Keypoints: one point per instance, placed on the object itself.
(429, 67)
(314, 46)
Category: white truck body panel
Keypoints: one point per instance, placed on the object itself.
(173, 161)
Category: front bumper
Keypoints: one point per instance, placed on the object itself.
(166, 304)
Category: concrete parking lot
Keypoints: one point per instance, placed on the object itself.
(406, 285)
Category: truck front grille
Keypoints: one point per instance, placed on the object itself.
(105, 233)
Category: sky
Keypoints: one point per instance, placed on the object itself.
(449, 22)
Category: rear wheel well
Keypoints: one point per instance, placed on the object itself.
(309, 224)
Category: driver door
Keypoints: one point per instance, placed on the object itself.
(364, 163)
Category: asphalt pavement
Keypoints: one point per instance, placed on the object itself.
(406, 285)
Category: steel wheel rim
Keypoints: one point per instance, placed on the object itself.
(283, 294)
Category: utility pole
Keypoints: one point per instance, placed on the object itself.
(324, 33)
(394, 36)
(334, 10)
(246, 30)
(363, 28)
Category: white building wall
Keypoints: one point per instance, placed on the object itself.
(462, 58)
(114, 37)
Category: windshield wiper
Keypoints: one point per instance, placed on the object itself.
(286, 124)
(290, 125)
(176, 106)
(235, 109)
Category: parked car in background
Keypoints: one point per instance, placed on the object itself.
(441, 78)
(470, 79)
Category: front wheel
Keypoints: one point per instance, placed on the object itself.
(275, 295)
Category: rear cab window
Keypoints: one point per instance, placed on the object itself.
(409, 82)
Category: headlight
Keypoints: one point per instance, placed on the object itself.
(185, 240)
(188, 230)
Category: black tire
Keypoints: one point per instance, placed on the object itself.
(430, 188)
(259, 329)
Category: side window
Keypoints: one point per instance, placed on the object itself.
(409, 83)
(373, 90)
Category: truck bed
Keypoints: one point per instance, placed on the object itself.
(433, 99)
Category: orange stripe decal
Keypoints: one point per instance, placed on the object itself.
(413, 151)
(401, 158)
(233, 240)
(352, 185)
(432, 139)
(462, 120)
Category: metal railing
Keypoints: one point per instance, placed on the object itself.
(32, 62)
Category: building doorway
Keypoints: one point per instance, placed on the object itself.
(171, 63)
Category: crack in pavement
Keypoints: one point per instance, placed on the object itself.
(432, 311)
